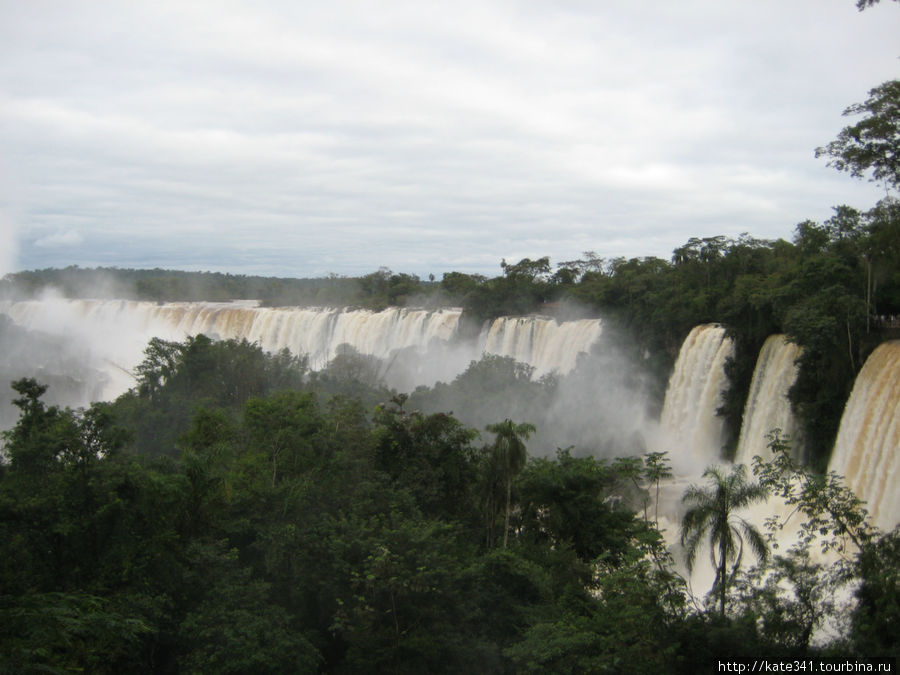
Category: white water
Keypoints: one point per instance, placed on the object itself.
(867, 449)
(544, 343)
(690, 430)
(768, 406)
(115, 333)
(693, 434)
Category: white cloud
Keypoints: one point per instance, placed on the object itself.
(60, 239)
(8, 246)
(422, 135)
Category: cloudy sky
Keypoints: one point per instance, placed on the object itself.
(300, 138)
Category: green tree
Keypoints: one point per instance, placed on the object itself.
(873, 143)
(795, 594)
(65, 633)
(508, 455)
(431, 456)
(831, 513)
(235, 626)
(43, 434)
(790, 597)
(712, 514)
(626, 628)
(47, 438)
(161, 358)
(881, 250)
(876, 617)
(567, 503)
(283, 431)
(656, 469)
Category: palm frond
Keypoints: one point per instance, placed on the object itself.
(755, 539)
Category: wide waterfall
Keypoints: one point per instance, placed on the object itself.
(115, 332)
(768, 406)
(867, 450)
(690, 430)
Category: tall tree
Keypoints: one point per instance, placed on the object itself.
(873, 142)
(713, 514)
(508, 457)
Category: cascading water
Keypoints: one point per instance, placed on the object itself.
(693, 434)
(867, 449)
(116, 332)
(544, 343)
(690, 430)
(768, 406)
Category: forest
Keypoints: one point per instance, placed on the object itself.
(237, 512)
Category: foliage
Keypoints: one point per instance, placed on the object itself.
(494, 386)
(504, 461)
(802, 590)
(64, 632)
(375, 290)
(292, 534)
(712, 514)
(431, 456)
(876, 619)
(177, 377)
(873, 142)
(830, 513)
(863, 4)
(792, 597)
(235, 627)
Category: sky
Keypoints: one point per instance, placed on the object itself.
(300, 138)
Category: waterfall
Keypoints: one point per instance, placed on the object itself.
(867, 449)
(690, 430)
(542, 342)
(767, 404)
(115, 333)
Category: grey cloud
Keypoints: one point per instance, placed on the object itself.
(300, 138)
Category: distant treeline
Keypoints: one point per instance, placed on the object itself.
(377, 290)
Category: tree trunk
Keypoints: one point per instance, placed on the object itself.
(850, 345)
(506, 516)
(868, 293)
(723, 571)
(723, 589)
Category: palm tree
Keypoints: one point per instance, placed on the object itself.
(508, 457)
(713, 514)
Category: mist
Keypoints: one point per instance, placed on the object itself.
(73, 373)
(573, 380)
(8, 245)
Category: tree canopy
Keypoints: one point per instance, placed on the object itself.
(873, 143)
(291, 532)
